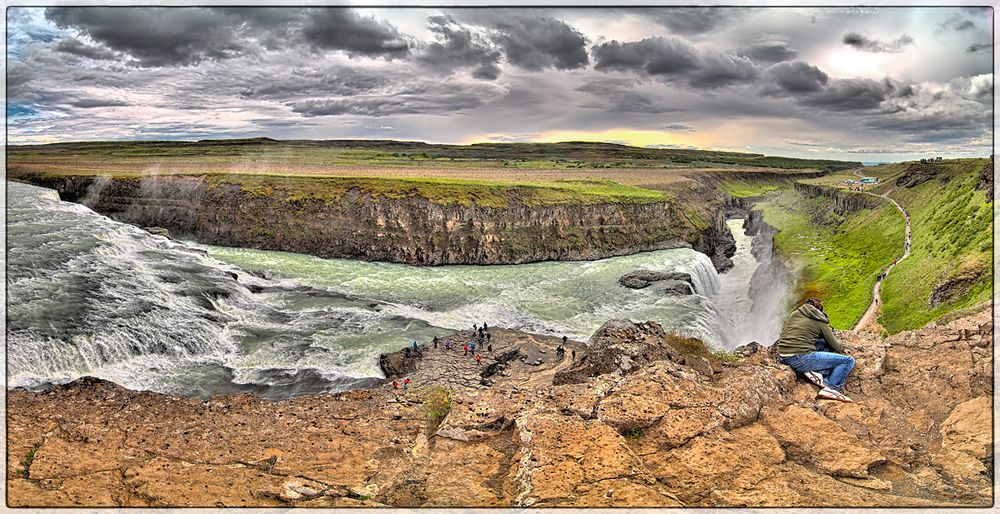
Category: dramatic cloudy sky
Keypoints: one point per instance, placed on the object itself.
(873, 84)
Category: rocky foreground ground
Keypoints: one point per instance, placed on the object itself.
(638, 418)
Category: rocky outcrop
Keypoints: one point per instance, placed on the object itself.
(642, 278)
(678, 288)
(399, 364)
(717, 242)
(954, 286)
(740, 206)
(986, 179)
(394, 228)
(917, 173)
(844, 202)
(619, 346)
(636, 430)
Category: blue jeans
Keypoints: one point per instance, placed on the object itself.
(833, 366)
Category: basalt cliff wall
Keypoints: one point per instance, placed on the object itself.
(844, 202)
(405, 229)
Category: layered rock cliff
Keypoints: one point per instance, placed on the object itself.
(844, 202)
(641, 419)
(407, 229)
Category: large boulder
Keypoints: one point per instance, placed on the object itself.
(642, 278)
(678, 288)
(399, 363)
(619, 346)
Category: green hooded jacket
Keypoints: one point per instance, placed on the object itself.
(802, 328)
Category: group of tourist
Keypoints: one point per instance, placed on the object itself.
(482, 339)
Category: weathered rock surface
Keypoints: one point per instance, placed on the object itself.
(619, 346)
(917, 173)
(985, 183)
(636, 424)
(677, 288)
(642, 278)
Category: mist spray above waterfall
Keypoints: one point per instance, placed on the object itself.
(754, 292)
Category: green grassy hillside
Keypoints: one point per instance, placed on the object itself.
(952, 224)
(836, 257)
(950, 266)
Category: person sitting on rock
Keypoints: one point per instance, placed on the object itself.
(807, 344)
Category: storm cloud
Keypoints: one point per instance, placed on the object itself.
(674, 59)
(154, 36)
(692, 20)
(344, 29)
(767, 53)
(539, 42)
(855, 94)
(459, 47)
(74, 46)
(797, 77)
(868, 44)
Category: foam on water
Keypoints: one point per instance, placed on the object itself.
(90, 296)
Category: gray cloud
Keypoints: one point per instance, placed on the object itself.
(19, 75)
(617, 96)
(955, 23)
(297, 82)
(631, 101)
(154, 36)
(797, 77)
(867, 44)
(539, 42)
(388, 105)
(767, 53)
(674, 59)
(691, 20)
(344, 29)
(934, 127)
(258, 75)
(976, 47)
(855, 94)
(90, 103)
(74, 46)
(458, 47)
(186, 36)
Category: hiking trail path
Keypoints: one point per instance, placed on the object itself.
(874, 308)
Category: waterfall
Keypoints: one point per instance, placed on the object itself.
(91, 296)
(754, 292)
